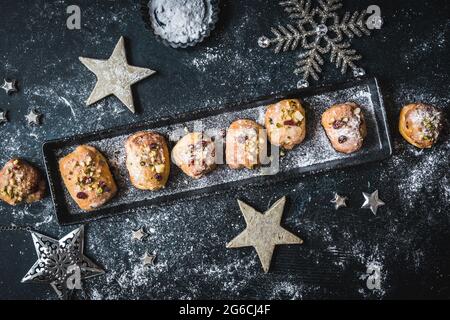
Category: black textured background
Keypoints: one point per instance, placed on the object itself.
(409, 238)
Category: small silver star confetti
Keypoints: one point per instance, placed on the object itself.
(372, 202)
(3, 117)
(33, 117)
(9, 86)
(115, 76)
(148, 259)
(339, 201)
(138, 234)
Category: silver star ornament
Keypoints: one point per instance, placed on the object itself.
(3, 117)
(59, 261)
(148, 259)
(9, 86)
(33, 117)
(339, 201)
(372, 202)
(115, 76)
(138, 234)
(264, 232)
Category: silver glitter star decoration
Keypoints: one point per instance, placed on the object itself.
(9, 86)
(318, 30)
(56, 259)
(339, 201)
(372, 202)
(33, 117)
(148, 259)
(3, 116)
(138, 234)
(264, 232)
(115, 76)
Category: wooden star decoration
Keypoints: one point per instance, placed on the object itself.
(115, 76)
(264, 231)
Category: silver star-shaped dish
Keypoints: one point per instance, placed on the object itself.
(33, 117)
(138, 234)
(3, 116)
(56, 257)
(115, 76)
(9, 86)
(372, 202)
(264, 231)
(148, 259)
(339, 201)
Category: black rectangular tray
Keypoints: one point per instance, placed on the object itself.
(313, 155)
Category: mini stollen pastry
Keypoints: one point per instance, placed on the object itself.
(286, 124)
(87, 177)
(345, 126)
(148, 160)
(420, 124)
(245, 144)
(195, 154)
(20, 181)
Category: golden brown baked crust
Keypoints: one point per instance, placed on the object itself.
(286, 123)
(148, 160)
(345, 126)
(87, 177)
(420, 124)
(245, 139)
(195, 154)
(20, 181)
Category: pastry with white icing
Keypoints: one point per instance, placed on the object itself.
(195, 154)
(286, 123)
(420, 124)
(345, 126)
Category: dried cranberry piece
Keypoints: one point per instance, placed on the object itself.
(158, 177)
(82, 195)
(102, 184)
(342, 139)
(88, 180)
(242, 139)
(153, 145)
(204, 143)
(289, 123)
(338, 124)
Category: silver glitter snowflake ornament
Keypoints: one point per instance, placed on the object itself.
(57, 259)
(318, 30)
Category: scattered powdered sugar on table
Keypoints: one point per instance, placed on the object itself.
(178, 21)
